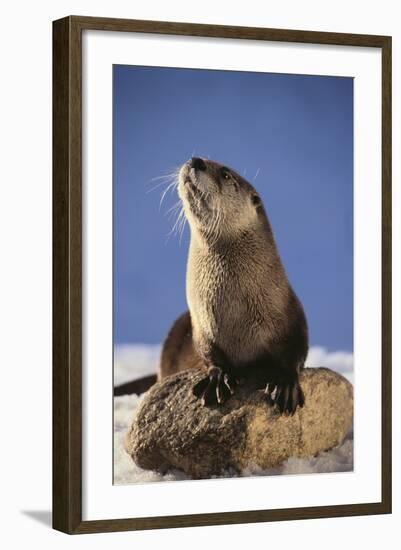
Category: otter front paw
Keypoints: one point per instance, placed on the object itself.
(216, 387)
(286, 394)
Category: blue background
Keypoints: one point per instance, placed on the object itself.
(294, 131)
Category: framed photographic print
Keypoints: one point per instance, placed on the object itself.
(221, 274)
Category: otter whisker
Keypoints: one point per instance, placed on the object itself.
(182, 227)
(204, 195)
(172, 185)
(214, 229)
(162, 178)
(164, 183)
(167, 182)
(165, 179)
(217, 230)
(176, 225)
(173, 210)
(173, 172)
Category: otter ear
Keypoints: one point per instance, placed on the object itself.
(256, 200)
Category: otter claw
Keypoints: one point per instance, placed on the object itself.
(215, 388)
(200, 387)
(286, 395)
(228, 383)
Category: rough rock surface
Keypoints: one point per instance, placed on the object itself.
(173, 430)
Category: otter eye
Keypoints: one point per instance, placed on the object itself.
(225, 174)
(256, 200)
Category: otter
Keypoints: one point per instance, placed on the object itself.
(244, 318)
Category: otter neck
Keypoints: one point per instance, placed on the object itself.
(242, 243)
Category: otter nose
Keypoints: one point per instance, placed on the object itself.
(197, 163)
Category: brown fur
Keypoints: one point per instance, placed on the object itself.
(178, 352)
(244, 315)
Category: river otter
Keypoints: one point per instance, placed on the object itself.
(244, 318)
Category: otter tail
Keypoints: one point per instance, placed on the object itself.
(136, 386)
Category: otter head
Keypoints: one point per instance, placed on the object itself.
(217, 201)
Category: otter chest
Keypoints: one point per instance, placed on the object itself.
(224, 306)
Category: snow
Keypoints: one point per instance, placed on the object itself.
(135, 361)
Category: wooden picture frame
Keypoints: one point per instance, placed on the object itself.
(67, 273)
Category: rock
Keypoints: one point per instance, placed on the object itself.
(173, 430)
